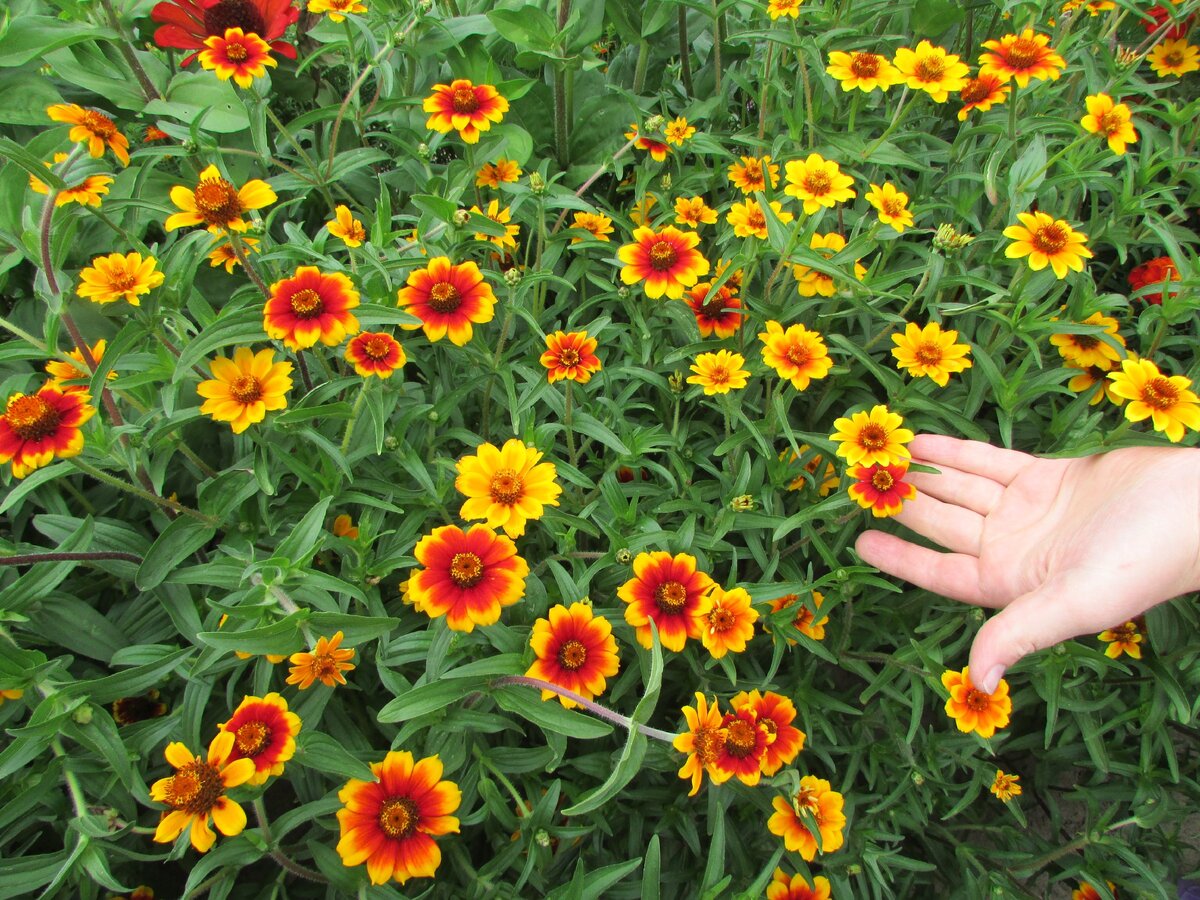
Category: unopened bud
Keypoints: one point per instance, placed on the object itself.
(743, 503)
(854, 869)
(542, 837)
(537, 184)
(666, 181)
(917, 778)
(623, 292)
(1127, 58)
(512, 277)
(245, 528)
(675, 382)
(391, 442)
(949, 240)
(83, 714)
(461, 217)
(655, 123)
(423, 150)
(624, 556)
(433, 415)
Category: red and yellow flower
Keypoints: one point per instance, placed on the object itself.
(824, 805)
(37, 428)
(974, 710)
(575, 650)
(375, 353)
(264, 732)
(1021, 57)
(718, 315)
(570, 356)
(346, 227)
(237, 55)
(805, 621)
(874, 438)
(119, 276)
(448, 299)
(670, 591)
(196, 793)
(1112, 121)
(931, 352)
(931, 69)
(1047, 242)
(467, 108)
(741, 754)
(720, 372)
(244, 388)
(982, 93)
(337, 9)
(311, 306)
(506, 486)
(1005, 786)
(795, 353)
(881, 489)
(729, 622)
(665, 261)
(217, 204)
(749, 220)
(797, 887)
(92, 128)
(1086, 892)
(1167, 400)
(817, 182)
(186, 24)
(775, 713)
(466, 576)
(657, 149)
(324, 663)
(702, 742)
(750, 175)
(865, 71)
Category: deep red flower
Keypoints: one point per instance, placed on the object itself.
(186, 24)
(1156, 16)
(1154, 272)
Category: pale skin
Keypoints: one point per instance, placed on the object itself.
(1061, 547)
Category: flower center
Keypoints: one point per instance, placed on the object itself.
(1023, 53)
(714, 308)
(892, 206)
(377, 347)
(720, 620)
(771, 728)
(251, 738)
(245, 389)
(928, 354)
(398, 817)
(568, 357)
(306, 303)
(218, 201)
(1050, 239)
(708, 744)
(754, 171)
(1111, 122)
(506, 486)
(882, 480)
(670, 596)
(977, 700)
(798, 356)
(872, 437)
(195, 788)
(31, 417)
(818, 182)
(977, 89)
(756, 220)
(1160, 393)
(930, 68)
(98, 124)
(465, 101)
(324, 666)
(741, 738)
(466, 570)
(1174, 58)
(1126, 632)
(1086, 341)
(572, 655)
(806, 798)
(662, 256)
(718, 375)
(122, 284)
(444, 297)
(233, 14)
(235, 51)
(864, 65)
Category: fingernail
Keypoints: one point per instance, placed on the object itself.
(991, 681)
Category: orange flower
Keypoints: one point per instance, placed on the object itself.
(238, 55)
(575, 650)
(796, 354)
(448, 299)
(375, 353)
(694, 212)
(492, 174)
(223, 255)
(196, 792)
(119, 276)
(749, 220)
(671, 591)
(824, 482)
(972, 709)
(729, 624)
(750, 175)
(244, 388)
(67, 377)
(825, 807)
(717, 316)
(657, 149)
(346, 227)
(667, 261)
(931, 352)
(881, 489)
(506, 486)
(500, 217)
(741, 754)
(982, 93)
(1086, 892)
(1126, 638)
(311, 305)
(598, 225)
(776, 714)
(701, 742)
(818, 182)
(466, 576)
(797, 887)
(1022, 57)
(343, 526)
(464, 107)
(805, 621)
(36, 428)
(217, 204)
(390, 823)
(86, 192)
(92, 128)
(264, 732)
(1005, 786)
(325, 663)
(571, 356)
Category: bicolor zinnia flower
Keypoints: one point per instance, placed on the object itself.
(217, 204)
(701, 742)
(804, 621)
(196, 793)
(75, 376)
(494, 174)
(346, 227)
(375, 353)
(223, 254)
(337, 9)
(892, 206)
(982, 93)
(1155, 272)
(500, 217)
(92, 128)
(188, 23)
(720, 372)
(506, 486)
(464, 107)
(575, 650)
(598, 225)
(37, 428)
(932, 69)
(750, 175)
(931, 352)
(324, 663)
(1022, 57)
(825, 807)
(1086, 892)
(865, 71)
(1158, 15)
(812, 282)
(467, 576)
(749, 220)
(795, 353)
(1089, 349)
(237, 55)
(1174, 58)
(665, 261)
(797, 887)
(244, 388)
(571, 356)
(264, 732)
(448, 299)
(881, 489)
(390, 823)
(311, 306)
(741, 754)
(671, 591)
(817, 182)
(1047, 241)
(729, 623)
(86, 192)
(1111, 121)
(973, 709)
(718, 315)
(1005, 786)
(119, 276)
(677, 131)
(1164, 399)
(657, 149)
(874, 438)
(775, 713)
(694, 212)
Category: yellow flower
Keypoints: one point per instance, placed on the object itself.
(336, 8)
(818, 182)
(892, 205)
(1047, 241)
(1165, 399)
(1176, 57)
(119, 277)
(86, 192)
(78, 372)
(749, 220)
(874, 438)
(729, 624)
(1126, 638)
(797, 354)
(196, 793)
(932, 69)
(346, 227)
(720, 372)
(779, 8)
(750, 175)
(244, 388)
(1085, 350)
(865, 71)
(491, 175)
(506, 486)
(677, 131)
(223, 254)
(92, 128)
(809, 281)
(1021, 57)
(930, 351)
(217, 204)
(1110, 120)
(1005, 786)
(597, 224)
(694, 211)
(501, 217)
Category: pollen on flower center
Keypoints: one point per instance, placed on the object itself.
(928, 354)
(31, 417)
(864, 65)
(251, 738)
(398, 817)
(872, 437)
(377, 347)
(1111, 122)
(756, 219)
(708, 744)
(892, 207)
(977, 700)
(930, 68)
(1085, 341)
(506, 486)
(194, 788)
(1049, 239)
(218, 201)
(307, 304)
(466, 570)
(977, 89)
(718, 375)
(99, 124)
(818, 182)
(572, 655)
(720, 620)
(1159, 393)
(465, 101)
(233, 14)
(569, 357)
(662, 256)
(444, 297)
(245, 389)
(670, 596)
(741, 737)
(882, 480)
(797, 356)
(1022, 53)
(1174, 58)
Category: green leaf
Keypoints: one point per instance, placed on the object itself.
(300, 545)
(45, 577)
(549, 715)
(208, 103)
(427, 698)
(278, 637)
(131, 682)
(31, 37)
(652, 871)
(178, 541)
(322, 753)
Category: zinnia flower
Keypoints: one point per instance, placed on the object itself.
(237, 55)
(390, 823)
(448, 299)
(797, 354)
(932, 69)
(812, 282)
(196, 792)
(598, 225)
(671, 591)
(740, 755)
(749, 220)
(779, 8)
(242, 389)
(264, 732)
(982, 93)
(1086, 892)
(881, 489)
(311, 305)
(223, 254)
(797, 887)
(1110, 120)
(824, 482)
(92, 128)
(78, 372)
(874, 438)
(493, 174)
(119, 277)
(1155, 272)
(818, 182)
(729, 624)
(804, 622)
(346, 227)
(750, 175)
(324, 663)
(717, 316)
(657, 149)
(930, 351)
(188, 23)
(667, 261)
(86, 192)
(823, 804)
(1047, 241)
(336, 9)
(506, 486)
(694, 212)
(1175, 58)
(375, 353)
(500, 217)
(677, 131)
(571, 356)
(892, 205)
(464, 107)
(1005, 786)
(701, 742)
(775, 713)
(720, 372)
(575, 650)
(1094, 378)
(468, 576)
(1089, 349)
(972, 709)
(1021, 57)
(217, 204)
(36, 428)
(865, 71)
(1165, 399)
(343, 526)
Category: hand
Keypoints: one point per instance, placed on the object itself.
(1062, 547)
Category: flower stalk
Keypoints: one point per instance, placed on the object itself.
(602, 712)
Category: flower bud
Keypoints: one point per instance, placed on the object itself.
(624, 556)
(82, 714)
(542, 837)
(391, 442)
(537, 184)
(743, 503)
(623, 292)
(512, 277)
(676, 383)
(245, 528)
(433, 415)
(190, 147)
(423, 151)
(917, 778)
(948, 240)
(666, 181)
(655, 123)
(461, 217)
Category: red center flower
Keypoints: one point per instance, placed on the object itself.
(187, 24)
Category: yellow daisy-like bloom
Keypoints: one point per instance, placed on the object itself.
(493, 174)
(982, 93)
(750, 175)
(336, 9)
(777, 9)
(1085, 350)
(930, 351)
(598, 225)
(874, 438)
(1174, 58)
(223, 254)
(1165, 399)
(1126, 638)
(86, 192)
(729, 624)
(501, 217)
(217, 204)
(119, 277)
(1095, 379)
(92, 128)
(1110, 120)
(1022, 57)
(702, 742)
(865, 71)
(720, 372)
(796, 353)
(817, 182)
(931, 69)
(677, 131)
(77, 372)
(892, 205)
(1047, 241)
(506, 486)
(346, 227)
(809, 281)
(244, 388)
(324, 663)
(694, 211)
(196, 793)
(973, 709)
(237, 55)
(826, 807)
(749, 220)
(1005, 786)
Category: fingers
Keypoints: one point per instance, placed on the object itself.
(974, 492)
(974, 457)
(954, 575)
(954, 527)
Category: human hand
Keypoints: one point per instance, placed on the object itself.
(1062, 547)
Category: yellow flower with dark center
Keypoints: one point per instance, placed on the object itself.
(346, 227)
(92, 128)
(500, 217)
(796, 353)
(493, 174)
(729, 624)
(238, 55)
(973, 709)
(666, 261)
(677, 131)
(1125, 638)
(196, 793)
(1109, 120)
(805, 621)
(1175, 58)
(311, 306)
(244, 388)
(694, 211)
(982, 93)
(1167, 400)
(324, 663)
(892, 205)
(464, 107)
(720, 372)
(1095, 379)
(1085, 350)
(1022, 57)
(575, 650)
(865, 71)
(1047, 241)
(36, 428)
(874, 438)
(76, 376)
(223, 255)
(217, 204)
(1005, 786)
(119, 277)
(86, 192)
(817, 799)
(598, 225)
(817, 182)
(930, 351)
(749, 220)
(931, 69)
(702, 742)
(811, 282)
(467, 576)
(506, 486)
(750, 175)
(336, 9)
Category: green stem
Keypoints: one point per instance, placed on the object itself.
(1012, 111)
(595, 709)
(23, 335)
(1025, 185)
(639, 71)
(716, 14)
(685, 53)
(764, 94)
(902, 110)
(522, 809)
(78, 801)
(1079, 843)
(358, 402)
(300, 151)
(126, 50)
(567, 424)
(285, 862)
(113, 481)
(239, 250)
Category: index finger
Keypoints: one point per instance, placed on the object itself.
(975, 457)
